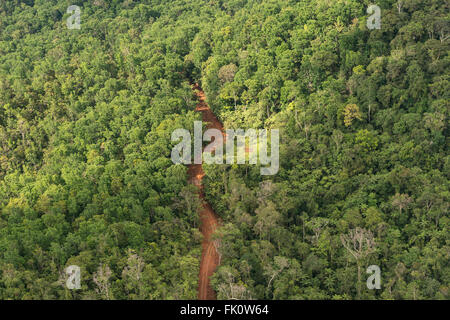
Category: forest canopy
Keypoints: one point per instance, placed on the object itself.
(86, 117)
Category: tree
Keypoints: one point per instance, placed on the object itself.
(101, 279)
(267, 218)
(227, 73)
(401, 201)
(132, 274)
(359, 243)
(229, 289)
(271, 271)
(351, 112)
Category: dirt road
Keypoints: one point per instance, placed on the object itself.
(208, 218)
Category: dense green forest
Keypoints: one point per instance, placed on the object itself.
(86, 118)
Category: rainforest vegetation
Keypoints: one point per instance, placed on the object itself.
(86, 176)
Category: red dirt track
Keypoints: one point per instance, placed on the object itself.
(208, 218)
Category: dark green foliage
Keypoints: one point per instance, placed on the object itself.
(86, 177)
(300, 65)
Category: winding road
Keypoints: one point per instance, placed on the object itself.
(208, 218)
